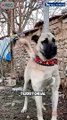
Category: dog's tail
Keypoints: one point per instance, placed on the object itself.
(28, 47)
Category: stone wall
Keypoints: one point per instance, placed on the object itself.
(20, 58)
(60, 29)
(5, 68)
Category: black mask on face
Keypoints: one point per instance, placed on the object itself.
(49, 48)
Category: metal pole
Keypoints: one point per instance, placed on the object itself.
(46, 16)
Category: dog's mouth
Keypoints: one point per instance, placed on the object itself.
(49, 51)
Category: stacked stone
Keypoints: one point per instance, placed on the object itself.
(5, 68)
(65, 51)
(65, 61)
(20, 58)
(62, 56)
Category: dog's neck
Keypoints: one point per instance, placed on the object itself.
(50, 62)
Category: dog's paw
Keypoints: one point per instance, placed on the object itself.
(54, 118)
(40, 118)
(23, 110)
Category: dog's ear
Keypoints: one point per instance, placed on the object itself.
(35, 38)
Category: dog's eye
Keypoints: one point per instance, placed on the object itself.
(45, 41)
(53, 40)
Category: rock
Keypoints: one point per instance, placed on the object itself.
(10, 82)
(7, 104)
(28, 116)
(17, 89)
(17, 101)
(1, 80)
(13, 104)
(2, 88)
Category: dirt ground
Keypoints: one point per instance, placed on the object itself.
(11, 103)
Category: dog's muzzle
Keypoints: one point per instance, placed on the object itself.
(49, 50)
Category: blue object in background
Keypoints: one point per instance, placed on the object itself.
(8, 57)
(4, 50)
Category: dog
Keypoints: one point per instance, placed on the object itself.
(42, 69)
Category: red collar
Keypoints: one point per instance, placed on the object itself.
(50, 62)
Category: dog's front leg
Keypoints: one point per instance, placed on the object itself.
(26, 80)
(55, 96)
(38, 100)
(54, 104)
(25, 105)
(26, 98)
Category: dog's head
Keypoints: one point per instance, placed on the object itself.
(46, 45)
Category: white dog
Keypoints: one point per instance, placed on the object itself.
(42, 70)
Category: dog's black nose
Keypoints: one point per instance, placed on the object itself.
(54, 47)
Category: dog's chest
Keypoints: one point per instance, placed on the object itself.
(41, 73)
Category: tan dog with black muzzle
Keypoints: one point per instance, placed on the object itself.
(42, 70)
